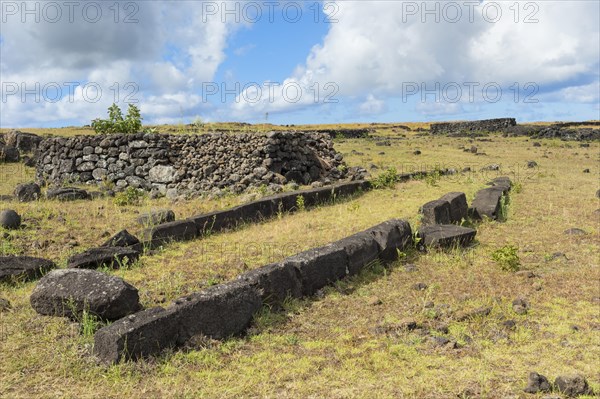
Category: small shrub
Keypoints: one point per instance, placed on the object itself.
(300, 203)
(432, 178)
(115, 123)
(507, 258)
(130, 196)
(386, 179)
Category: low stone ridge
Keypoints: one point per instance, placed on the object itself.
(486, 125)
(183, 165)
(123, 239)
(436, 212)
(28, 192)
(219, 312)
(68, 292)
(565, 132)
(67, 194)
(9, 219)
(156, 217)
(23, 267)
(264, 208)
(445, 235)
(111, 257)
(180, 230)
(227, 309)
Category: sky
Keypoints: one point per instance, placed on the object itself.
(63, 63)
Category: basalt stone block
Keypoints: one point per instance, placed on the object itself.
(502, 182)
(274, 282)
(67, 194)
(458, 206)
(391, 236)
(361, 250)
(256, 210)
(156, 217)
(139, 335)
(111, 257)
(319, 267)
(68, 292)
(487, 202)
(219, 312)
(23, 267)
(315, 196)
(436, 212)
(344, 189)
(123, 239)
(446, 236)
(180, 230)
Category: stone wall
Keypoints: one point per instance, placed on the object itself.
(190, 163)
(487, 125)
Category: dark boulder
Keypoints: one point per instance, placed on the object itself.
(23, 141)
(28, 192)
(111, 257)
(487, 203)
(23, 267)
(537, 383)
(9, 219)
(572, 385)
(9, 154)
(68, 292)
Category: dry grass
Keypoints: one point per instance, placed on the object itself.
(331, 346)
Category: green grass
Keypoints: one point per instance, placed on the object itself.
(331, 346)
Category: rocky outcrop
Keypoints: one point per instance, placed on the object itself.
(465, 128)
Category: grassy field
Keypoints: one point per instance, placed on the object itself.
(348, 342)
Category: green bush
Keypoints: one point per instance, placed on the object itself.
(507, 257)
(386, 179)
(132, 123)
(131, 196)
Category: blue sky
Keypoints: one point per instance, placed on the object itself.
(369, 64)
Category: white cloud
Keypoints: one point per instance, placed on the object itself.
(371, 106)
(161, 59)
(377, 46)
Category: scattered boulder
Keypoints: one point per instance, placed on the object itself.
(420, 287)
(572, 385)
(473, 150)
(417, 152)
(122, 239)
(491, 167)
(586, 171)
(4, 305)
(9, 154)
(575, 232)
(67, 194)
(9, 219)
(154, 218)
(537, 144)
(520, 306)
(537, 383)
(445, 235)
(111, 257)
(436, 212)
(68, 292)
(28, 192)
(23, 267)
(531, 164)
